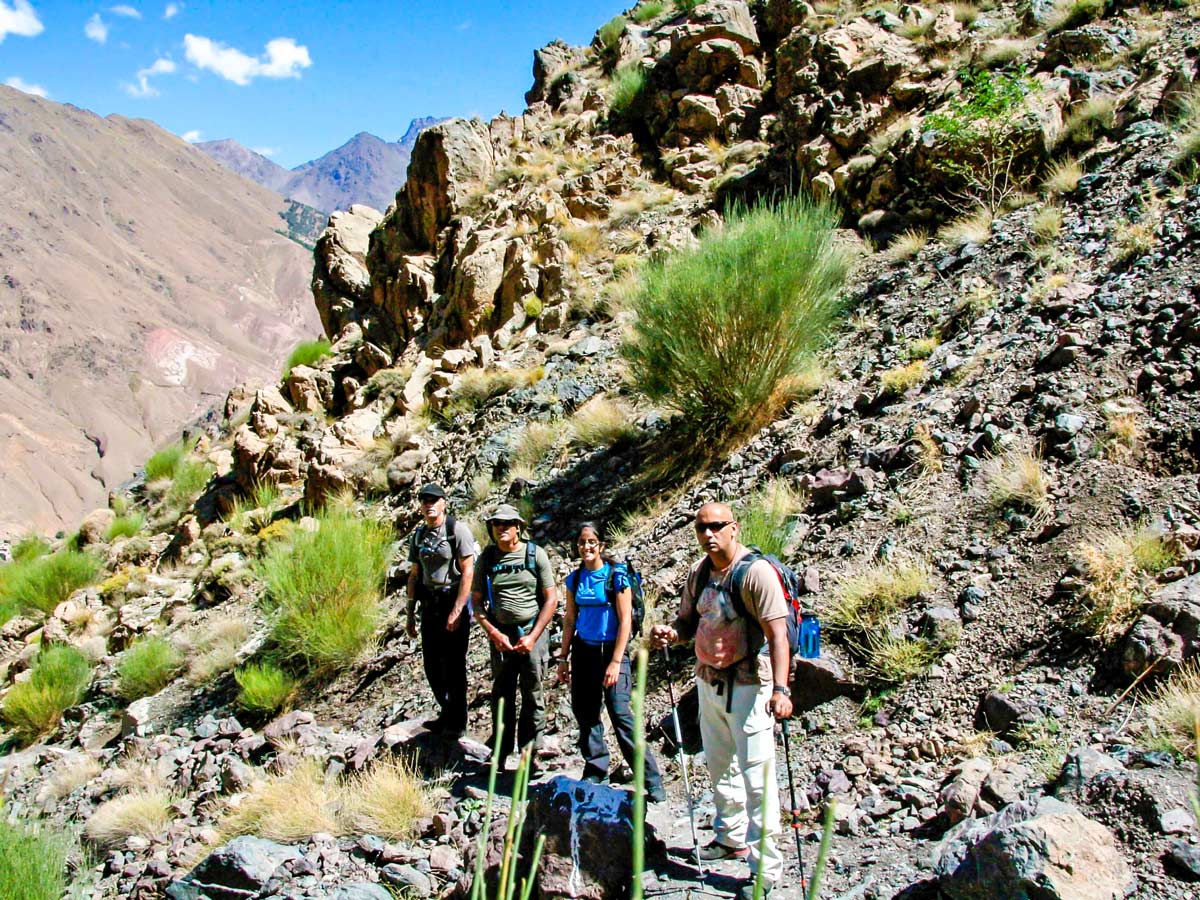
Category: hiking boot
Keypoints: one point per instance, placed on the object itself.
(435, 725)
(716, 850)
(747, 891)
(595, 778)
(656, 794)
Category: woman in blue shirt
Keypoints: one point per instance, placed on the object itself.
(595, 660)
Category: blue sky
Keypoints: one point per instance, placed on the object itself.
(293, 78)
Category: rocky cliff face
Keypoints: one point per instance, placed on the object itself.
(141, 281)
(475, 332)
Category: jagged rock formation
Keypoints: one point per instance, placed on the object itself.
(365, 170)
(472, 337)
(141, 281)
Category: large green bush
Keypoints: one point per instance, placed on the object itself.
(163, 463)
(627, 91)
(41, 583)
(58, 681)
(147, 667)
(324, 590)
(263, 688)
(306, 353)
(723, 331)
(33, 862)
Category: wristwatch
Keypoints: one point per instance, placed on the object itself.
(782, 689)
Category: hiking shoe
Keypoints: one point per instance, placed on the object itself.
(747, 891)
(716, 850)
(595, 778)
(656, 794)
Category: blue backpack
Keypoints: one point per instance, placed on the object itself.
(636, 590)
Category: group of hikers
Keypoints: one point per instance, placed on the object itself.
(733, 605)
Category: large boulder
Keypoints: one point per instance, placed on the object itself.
(1168, 632)
(240, 869)
(1040, 848)
(448, 161)
(578, 819)
(341, 284)
(549, 63)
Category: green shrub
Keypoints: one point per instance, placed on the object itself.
(979, 128)
(149, 665)
(41, 584)
(323, 591)
(647, 10)
(722, 329)
(33, 862)
(767, 518)
(533, 307)
(58, 681)
(190, 478)
(125, 526)
(163, 463)
(305, 354)
(264, 688)
(626, 90)
(610, 32)
(31, 546)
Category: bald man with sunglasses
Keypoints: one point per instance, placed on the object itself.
(742, 677)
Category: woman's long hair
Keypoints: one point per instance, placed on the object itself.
(597, 530)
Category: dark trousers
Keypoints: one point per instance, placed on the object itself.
(445, 655)
(523, 673)
(588, 662)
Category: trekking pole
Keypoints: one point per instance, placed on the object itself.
(682, 761)
(792, 818)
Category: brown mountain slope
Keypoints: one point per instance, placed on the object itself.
(140, 280)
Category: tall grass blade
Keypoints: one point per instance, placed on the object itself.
(477, 883)
(639, 776)
(814, 886)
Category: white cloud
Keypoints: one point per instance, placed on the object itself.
(191, 136)
(144, 88)
(265, 151)
(172, 10)
(95, 29)
(21, 84)
(463, 26)
(284, 58)
(123, 9)
(19, 19)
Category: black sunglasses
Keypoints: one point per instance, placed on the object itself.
(506, 524)
(714, 527)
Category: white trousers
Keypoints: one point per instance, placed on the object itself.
(739, 747)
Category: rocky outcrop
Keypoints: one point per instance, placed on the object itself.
(341, 283)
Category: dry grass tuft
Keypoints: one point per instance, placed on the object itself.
(1063, 177)
(533, 445)
(386, 800)
(143, 812)
(602, 423)
(868, 599)
(286, 807)
(1123, 432)
(894, 660)
(1004, 50)
(906, 245)
(1017, 479)
(901, 379)
(1118, 569)
(973, 228)
(1047, 223)
(1174, 709)
(211, 650)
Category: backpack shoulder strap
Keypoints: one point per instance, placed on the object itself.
(451, 524)
(531, 565)
(487, 559)
(736, 579)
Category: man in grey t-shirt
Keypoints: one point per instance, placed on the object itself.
(442, 553)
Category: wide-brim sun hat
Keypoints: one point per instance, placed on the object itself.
(505, 512)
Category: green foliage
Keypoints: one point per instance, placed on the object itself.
(304, 224)
(768, 517)
(264, 688)
(33, 862)
(978, 128)
(895, 660)
(58, 680)
(610, 32)
(149, 665)
(869, 598)
(323, 591)
(687, 7)
(627, 90)
(722, 330)
(125, 526)
(533, 307)
(190, 478)
(31, 546)
(647, 10)
(164, 462)
(305, 354)
(41, 583)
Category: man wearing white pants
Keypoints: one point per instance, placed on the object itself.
(742, 670)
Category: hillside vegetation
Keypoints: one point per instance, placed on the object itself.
(911, 287)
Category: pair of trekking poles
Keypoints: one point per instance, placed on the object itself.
(687, 787)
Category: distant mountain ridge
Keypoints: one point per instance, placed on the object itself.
(141, 282)
(366, 169)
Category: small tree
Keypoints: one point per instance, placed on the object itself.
(986, 159)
